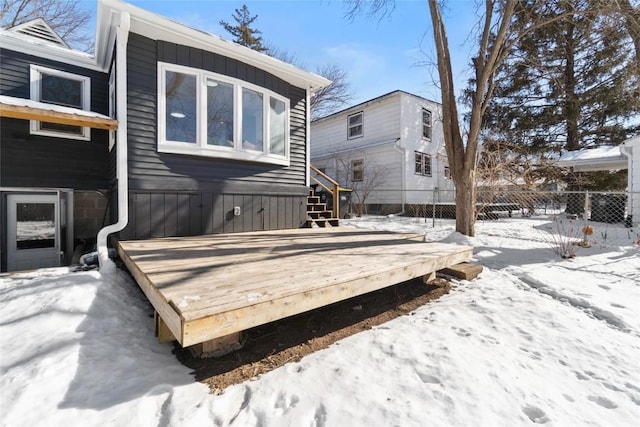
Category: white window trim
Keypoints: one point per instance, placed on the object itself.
(423, 163)
(429, 125)
(361, 134)
(35, 76)
(201, 148)
(353, 170)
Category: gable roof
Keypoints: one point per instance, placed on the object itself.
(373, 100)
(39, 29)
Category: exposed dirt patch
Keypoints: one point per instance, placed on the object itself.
(270, 346)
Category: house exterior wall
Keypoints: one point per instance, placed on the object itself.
(634, 179)
(381, 122)
(42, 161)
(392, 133)
(32, 162)
(175, 194)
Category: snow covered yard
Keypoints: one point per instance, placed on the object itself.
(534, 340)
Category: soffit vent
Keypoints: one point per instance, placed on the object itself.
(40, 30)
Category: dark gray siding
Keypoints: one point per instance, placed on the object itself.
(166, 214)
(180, 195)
(151, 170)
(40, 161)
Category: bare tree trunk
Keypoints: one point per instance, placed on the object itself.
(461, 169)
(461, 155)
(466, 206)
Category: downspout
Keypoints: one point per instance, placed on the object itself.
(403, 152)
(122, 37)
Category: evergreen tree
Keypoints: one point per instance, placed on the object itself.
(568, 85)
(242, 32)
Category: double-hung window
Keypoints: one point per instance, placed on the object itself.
(64, 89)
(357, 170)
(354, 125)
(206, 114)
(423, 164)
(426, 124)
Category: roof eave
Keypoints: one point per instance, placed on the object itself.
(161, 28)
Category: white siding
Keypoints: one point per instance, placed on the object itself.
(392, 133)
(634, 179)
(420, 188)
(381, 122)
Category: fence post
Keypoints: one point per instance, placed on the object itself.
(586, 206)
(433, 207)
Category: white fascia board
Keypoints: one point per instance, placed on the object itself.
(31, 46)
(160, 28)
(595, 165)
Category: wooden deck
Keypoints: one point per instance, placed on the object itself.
(207, 287)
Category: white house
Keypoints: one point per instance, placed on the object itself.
(389, 150)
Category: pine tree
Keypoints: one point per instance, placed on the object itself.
(242, 32)
(571, 84)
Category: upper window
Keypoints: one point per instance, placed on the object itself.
(60, 88)
(426, 123)
(207, 114)
(354, 122)
(357, 170)
(423, 164)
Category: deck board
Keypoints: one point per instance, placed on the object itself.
(215, 285)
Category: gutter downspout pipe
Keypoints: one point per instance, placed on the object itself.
(403, 152)
(122, 37)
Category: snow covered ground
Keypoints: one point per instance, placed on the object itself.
(536, 339)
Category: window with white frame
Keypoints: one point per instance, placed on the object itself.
(423, 164)
(60, 88)
(207, 114)
(357, 170)
(426, 124)
(354, 125)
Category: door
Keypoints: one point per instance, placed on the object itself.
(33, 231)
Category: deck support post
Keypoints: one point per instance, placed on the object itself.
(428, 278)
(218, 346)
(162, 330)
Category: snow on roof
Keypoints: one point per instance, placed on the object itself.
(22, 102)
(594, 159)
(598, 153)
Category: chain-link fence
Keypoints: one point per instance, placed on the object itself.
(585, 218)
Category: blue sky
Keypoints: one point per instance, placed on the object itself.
(379, 55)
